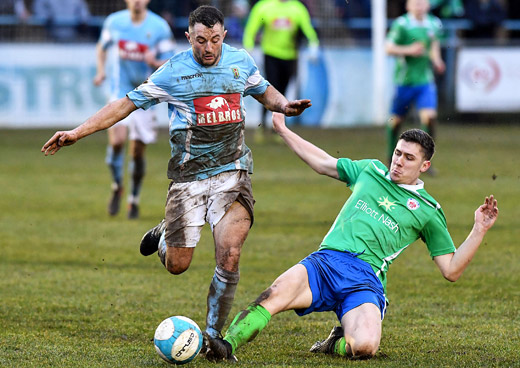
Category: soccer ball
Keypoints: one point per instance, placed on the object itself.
(178, 340)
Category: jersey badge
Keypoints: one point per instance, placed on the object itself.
(412, 204)
(236, 73)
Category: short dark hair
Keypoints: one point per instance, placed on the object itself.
(207, 15)
(422, 138)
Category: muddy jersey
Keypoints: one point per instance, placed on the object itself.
(381, 218)
(206, 111)
(127, 44)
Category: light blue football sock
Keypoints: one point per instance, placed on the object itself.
(115, 161)
(220, 299)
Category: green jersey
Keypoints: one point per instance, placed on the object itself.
(380, 218)
(281, 21)
(405, 30)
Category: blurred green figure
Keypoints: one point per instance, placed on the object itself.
(281, 22)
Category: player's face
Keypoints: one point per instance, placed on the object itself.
(136, 6)
(206, 43)
(408, 163)
(418, 7)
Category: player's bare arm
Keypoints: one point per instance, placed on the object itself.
(273, 100)
(414, 49)
(101, 57)
(319, 160)
(436, 58)
(453, 265)
(103, 119)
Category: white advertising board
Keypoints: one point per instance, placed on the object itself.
(50, 85)
(487, 80)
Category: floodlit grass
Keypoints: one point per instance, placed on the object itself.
(75, 292)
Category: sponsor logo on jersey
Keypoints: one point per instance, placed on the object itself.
(131, 50)
(188, 77)
(383, 218)
(412, 204)
(384, 202)
(282, 23)
(220, 109)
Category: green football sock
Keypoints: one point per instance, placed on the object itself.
(247, 325)
(391, 133)
(429, 127)
(340, 347)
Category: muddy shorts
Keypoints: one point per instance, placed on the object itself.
(190, 205)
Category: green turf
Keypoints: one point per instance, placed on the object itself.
(75, 292)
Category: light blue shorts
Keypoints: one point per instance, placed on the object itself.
(340, 281)
(423, 96)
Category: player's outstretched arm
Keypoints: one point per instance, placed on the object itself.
(319, 160)
(273, 100)
(103, 119)
(453, 265)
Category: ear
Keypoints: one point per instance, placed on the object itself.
(425, 166)
(225, 33)
(187, 36)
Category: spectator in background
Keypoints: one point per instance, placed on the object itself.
(141, 42)
(281, 21)
(486, 15)
(235, 23)
(14, 7)
(347, 10)
(414, 40)
(447, 8)
(65, 19)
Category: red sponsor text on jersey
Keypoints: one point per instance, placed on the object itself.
(219, 109)
(131, 50)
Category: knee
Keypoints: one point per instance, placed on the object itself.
(394, 121)
(176, 268)
(364, 349)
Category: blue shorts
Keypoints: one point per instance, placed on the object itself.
(423, 96)
(340, 281)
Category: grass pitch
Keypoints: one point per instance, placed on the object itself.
(75, 292)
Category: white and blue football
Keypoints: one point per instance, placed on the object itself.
(178, 340)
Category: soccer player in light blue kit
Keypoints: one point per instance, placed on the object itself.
(135, 42)
(210, 163)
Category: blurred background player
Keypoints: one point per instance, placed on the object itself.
(281, 21)
(414, 39)
(140, 41)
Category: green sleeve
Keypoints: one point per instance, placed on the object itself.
(436, 236)
(394, 34)
(349, 170)
(253, 25)
(306, 26)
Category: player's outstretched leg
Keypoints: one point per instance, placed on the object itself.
(328, 346)
(150, 240)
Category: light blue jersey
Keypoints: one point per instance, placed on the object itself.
(206, 111)
(128, 43)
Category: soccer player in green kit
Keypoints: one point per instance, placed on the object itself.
(414, 39)
(388, 210)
